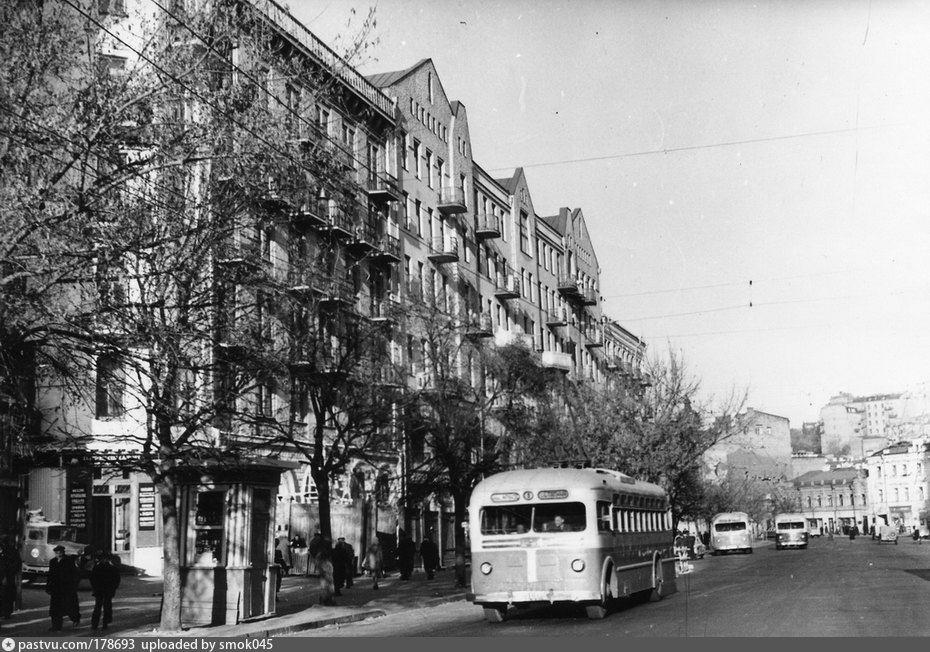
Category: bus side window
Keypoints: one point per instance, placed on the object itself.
(603, 517)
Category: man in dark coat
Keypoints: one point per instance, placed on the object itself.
(406, 552)
(11, 565)
(104, 580)
(340, 561)
(429, 553)
(62, 585)
(350, 563)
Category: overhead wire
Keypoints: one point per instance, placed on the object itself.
(191, 90)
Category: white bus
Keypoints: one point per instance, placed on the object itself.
(790, 531)
(583, 536)
(730, 531)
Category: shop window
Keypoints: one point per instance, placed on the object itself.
(208, 528)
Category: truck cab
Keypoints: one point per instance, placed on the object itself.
(40, 537)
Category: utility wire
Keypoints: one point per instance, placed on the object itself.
(687, 148)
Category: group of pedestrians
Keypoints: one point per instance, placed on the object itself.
(336, 564)
(62, 586)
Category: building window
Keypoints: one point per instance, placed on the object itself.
(110, 388)
(430, 176)
(524, 233)
(208, 530)
(418, 160)
(809, 501)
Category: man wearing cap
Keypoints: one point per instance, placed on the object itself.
(104, 580)
(62, 585)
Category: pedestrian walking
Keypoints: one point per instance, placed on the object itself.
(11, 566)
(325, 563)
(350, 564)
(313, 549)
(374, 561)
(104, 580)
(406, 552)
(61, 584)
(339, 565)
(429, 553)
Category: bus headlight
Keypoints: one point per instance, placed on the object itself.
(34, 553)
(577, 565)
(486, 568)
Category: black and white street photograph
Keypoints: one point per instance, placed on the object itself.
(464, 319)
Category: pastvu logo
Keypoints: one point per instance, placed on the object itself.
(8, 644)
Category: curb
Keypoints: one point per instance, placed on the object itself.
(283, 630)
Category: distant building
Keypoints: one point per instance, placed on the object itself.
(834, 500)
(898, 484)
(859, 425)
(760, 443)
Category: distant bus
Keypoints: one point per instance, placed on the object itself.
(583, 536)
(791, 531)
(729, 531)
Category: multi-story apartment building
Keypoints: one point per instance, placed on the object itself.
(898, 489)
(312, 247)
(858, 425)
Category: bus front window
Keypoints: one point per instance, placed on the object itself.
(559, 517)
(513, 519)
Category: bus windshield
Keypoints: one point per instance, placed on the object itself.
(729, 527)
(548, 517)
(791, 525)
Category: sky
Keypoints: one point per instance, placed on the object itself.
(755, 176)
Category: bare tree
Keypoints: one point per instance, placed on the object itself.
(146, 194)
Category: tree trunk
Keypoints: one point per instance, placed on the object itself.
(322, 486)
(171, 573)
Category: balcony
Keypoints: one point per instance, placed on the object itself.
(382, 187)
(557, 360)
(480, 325)
(335, 292)
(299, 282)
(444, 250)
(451, 200)
(364, 240)
(487, 227)
(338, 222)
(507, 286)
(389, 377)
(387, 249)
(569, 287)
(588, 296)
(557, 317)
(594, 339)
(239, 259)
(384, 311)
(311, 212)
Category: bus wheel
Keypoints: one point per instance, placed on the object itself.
(599, 611)
(657, 584)
(494, 613)
(596, 611)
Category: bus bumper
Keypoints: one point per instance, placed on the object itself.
(533, 596)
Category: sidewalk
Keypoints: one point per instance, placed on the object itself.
(298, 607)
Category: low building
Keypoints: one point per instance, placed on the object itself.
(834, 500)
